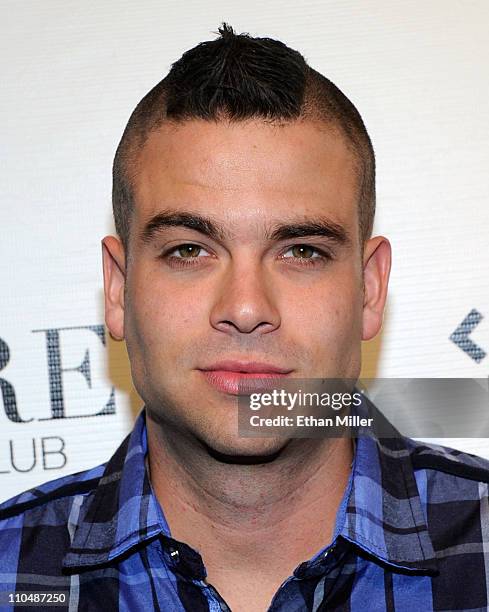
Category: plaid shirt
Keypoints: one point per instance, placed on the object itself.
(412, 532)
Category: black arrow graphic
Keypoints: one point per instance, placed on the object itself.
(460, 336)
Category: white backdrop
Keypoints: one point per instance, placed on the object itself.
(71, 74)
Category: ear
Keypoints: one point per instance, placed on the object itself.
(114, 282)
(376, 270)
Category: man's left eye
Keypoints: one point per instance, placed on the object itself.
(303, 251)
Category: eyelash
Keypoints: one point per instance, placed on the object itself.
(185, 262)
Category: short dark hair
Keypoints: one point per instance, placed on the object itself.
(238, 77)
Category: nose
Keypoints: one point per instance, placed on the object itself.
(245, 301)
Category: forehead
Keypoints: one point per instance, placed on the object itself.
(247, 171)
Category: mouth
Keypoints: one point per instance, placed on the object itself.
(243, 378)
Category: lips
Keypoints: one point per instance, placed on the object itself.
(242, 378)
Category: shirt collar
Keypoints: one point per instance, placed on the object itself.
(381, 511)
(121, 512)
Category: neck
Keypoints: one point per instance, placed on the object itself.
(249, 513)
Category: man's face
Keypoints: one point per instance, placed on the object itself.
(272, 284)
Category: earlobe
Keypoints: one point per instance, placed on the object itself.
(377, 265)
(114, 283)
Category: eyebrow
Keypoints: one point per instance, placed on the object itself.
(193, 221)
(319, 226)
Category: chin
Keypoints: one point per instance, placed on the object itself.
(244, 451)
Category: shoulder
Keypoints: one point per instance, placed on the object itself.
(447, 461)
(453, 489)
(36, 526)
(47, 505)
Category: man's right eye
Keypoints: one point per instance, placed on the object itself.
(184, 254)
(191, 250)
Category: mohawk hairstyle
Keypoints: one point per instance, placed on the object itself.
(237, 77)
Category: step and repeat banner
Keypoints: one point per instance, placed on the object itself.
(71, 74)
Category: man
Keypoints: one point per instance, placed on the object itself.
(244, 198)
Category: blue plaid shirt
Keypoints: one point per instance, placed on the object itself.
(412, 532)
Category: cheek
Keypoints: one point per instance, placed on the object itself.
(329, 327)
(161, 317)
(327, 311)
